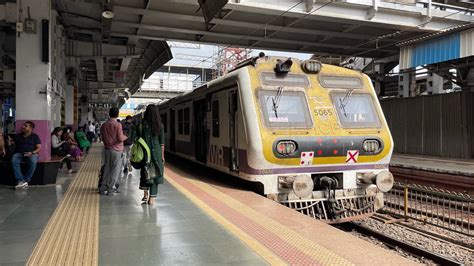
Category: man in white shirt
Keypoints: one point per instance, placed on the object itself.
(91, 132)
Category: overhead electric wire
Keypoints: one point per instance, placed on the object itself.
(263, 27)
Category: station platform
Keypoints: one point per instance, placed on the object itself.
(192, 223)
(434, 164)
(443, 173)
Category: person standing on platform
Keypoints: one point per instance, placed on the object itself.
(97, 131)
(27, 147)
(127, 126)
(151, 130)
(113, 138)
(2, 143)
(91, 132)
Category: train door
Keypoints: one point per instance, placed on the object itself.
(172, 131)
(200, 122)
(233, 131)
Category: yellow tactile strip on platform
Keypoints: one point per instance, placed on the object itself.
(271, 236)
(71, 235)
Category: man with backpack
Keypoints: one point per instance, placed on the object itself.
(127, 127)
(113, 138)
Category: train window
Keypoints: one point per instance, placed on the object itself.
(339, 82)
(215, 119)
(186, 124)
(285, 109)
(289, 80)
(355, 110)
(180, 121)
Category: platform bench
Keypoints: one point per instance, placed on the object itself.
(46, 172)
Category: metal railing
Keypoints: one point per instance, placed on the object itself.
(445, 209)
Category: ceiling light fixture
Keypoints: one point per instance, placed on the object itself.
(108, 14)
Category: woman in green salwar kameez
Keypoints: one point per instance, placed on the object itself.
(151, 130)
(81, 139)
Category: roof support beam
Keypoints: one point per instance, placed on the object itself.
(239, 37)
(242, 24)
(96, 50)
(92, 85)
(388, 14)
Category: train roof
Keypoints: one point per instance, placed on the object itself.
(251, 62)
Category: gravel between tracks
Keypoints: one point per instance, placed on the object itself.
(447, 250)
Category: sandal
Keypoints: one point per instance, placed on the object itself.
(145, 198)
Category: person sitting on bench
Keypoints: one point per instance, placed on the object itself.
(27, 146)
(61, 149)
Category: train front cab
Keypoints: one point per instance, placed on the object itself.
(324, 140)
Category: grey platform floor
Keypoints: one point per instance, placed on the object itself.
(174, 231)
(23, 216)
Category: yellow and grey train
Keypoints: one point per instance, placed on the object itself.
(312, 134)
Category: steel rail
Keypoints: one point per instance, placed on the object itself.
(451, 221)
(429, 234)
(392, 242)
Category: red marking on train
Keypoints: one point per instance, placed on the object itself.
(334, 152)
(320, 152)
(352, 156)
(334, 140)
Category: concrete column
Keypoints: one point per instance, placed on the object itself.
(69, 95)
(434, 83)
(33, 77)
(407, 83)
(84, 114)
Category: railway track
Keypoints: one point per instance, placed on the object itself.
(394, 243)
(425, 232)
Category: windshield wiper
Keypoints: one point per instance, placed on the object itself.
(276, 100)
(343, 101)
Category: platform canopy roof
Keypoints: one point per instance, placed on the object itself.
(132, 33)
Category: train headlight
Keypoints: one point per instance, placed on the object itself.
(286, 147)
(371, 145)
(311, 66)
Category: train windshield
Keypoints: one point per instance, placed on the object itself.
(285, 109)
(355, 110)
